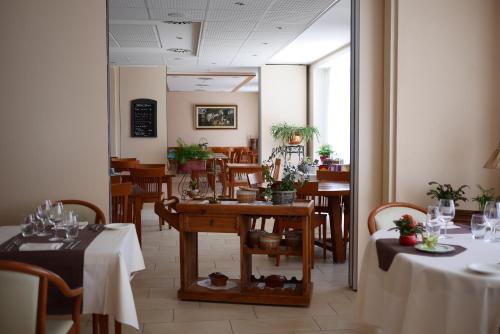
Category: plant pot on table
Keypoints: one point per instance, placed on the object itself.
(283, 197)
(408, 240)
(192, 165)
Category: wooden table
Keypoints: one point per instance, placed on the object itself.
(237, 168)
(233, 217)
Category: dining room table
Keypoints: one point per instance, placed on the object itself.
(103, 259)
(420, 292)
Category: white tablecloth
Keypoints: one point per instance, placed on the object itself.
(109, 261)
(422, 294)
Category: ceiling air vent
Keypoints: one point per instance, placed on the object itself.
(177, 22)
(179, 50)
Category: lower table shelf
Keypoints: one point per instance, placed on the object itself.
(252, 294)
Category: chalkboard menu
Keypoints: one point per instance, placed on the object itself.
(143, 112)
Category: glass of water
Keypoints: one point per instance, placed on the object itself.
(447, 211)
(56, 218)
(71, 227)
(492, 216)
(478, 226)
(28, 226)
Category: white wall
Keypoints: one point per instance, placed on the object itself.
(283, 94)
(180, 118)
(54, 118)
(448, 104)
(135, 83)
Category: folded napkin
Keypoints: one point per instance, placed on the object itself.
(82, 225)
(32, 246)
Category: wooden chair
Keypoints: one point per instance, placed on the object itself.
(325, 175)
(119, 202)
(238, 152)
(23, 300)
(86, 211)
(123, 159)
(383, 216)
(276, 169)
(164, 166)
(150, 182)
(254, 179)
(123, 165)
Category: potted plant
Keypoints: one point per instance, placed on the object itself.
(485, 196)
(307, 166)
(446, 191)
(408, 230)
(191, 157)
(193, 189)
(325, 151)
(284, 191)
(292, 134)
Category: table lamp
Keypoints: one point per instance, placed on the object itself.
(494, 160)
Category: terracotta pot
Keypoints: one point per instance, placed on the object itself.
(192, 165)
(324, 157)
(295, 140)
(408, 240)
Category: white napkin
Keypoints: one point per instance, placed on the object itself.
(82, 225)
(32, 246)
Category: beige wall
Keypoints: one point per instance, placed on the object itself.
(135, 83)
(180, 121)
(54, 122)
(371, 78)
(283, 94)
(448, 105)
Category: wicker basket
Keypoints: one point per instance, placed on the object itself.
(270, 241)
(246, 195)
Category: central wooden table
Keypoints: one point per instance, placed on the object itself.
(233, 217)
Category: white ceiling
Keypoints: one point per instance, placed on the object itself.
(228, 34)
(211, 82)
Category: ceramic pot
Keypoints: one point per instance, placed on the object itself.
(295, 140)
(408, 240)
(283, 197)
(192, 165)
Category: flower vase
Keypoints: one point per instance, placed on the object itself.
(408, 240)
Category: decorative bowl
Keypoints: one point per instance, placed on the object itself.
(254, 238)
(275, 281)
(218, 279)
(293, 239)
(246, 195)
(269, 241)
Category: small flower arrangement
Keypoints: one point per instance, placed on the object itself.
(408, 228)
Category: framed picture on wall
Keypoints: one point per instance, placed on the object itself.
(215, 116)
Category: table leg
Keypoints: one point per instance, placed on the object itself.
(137, 217)
(347, 218)
(338, 245)
(306, 254)
(189, 258)
(118, 327)
(103, 323)
(169, 186)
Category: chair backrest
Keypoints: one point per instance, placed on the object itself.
(383, 217)
(164, 166)
(333, 176)
(123, 165)
(166, 210)
(254, 179)
(119, 202)
(276, 169)
(115, 179)
(122, 159)
(86, 211)
(23, 296)
(148, 179)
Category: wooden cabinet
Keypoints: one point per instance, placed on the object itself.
(232, 217)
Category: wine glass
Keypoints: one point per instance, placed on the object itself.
(447, 212)
(492, 215)
(43, 214)
(56, 218)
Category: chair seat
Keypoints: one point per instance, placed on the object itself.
(56, 326)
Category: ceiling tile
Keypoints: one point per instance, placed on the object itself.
(225, 35)
(139, 44)
(206, 42)
(178, 4)
(301, 5)
(267, 37)
(112, 42)
(234, 15)
(127, 3)
(146, 59)
(290, 17)
(118, 59)
(275, 27)
(188, 14)
(133, 32)
(229, 26)
(248, 4)
(128, 13)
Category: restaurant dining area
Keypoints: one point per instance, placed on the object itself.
(250, 167)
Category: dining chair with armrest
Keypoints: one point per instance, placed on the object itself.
(149, 180)
(119, 202)
(123, 165)
(254, 179)
(383, 216)
(86, 211)
(166, 210)
(23, 300)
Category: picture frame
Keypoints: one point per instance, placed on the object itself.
(221, 116)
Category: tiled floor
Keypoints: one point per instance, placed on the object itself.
(160, 311)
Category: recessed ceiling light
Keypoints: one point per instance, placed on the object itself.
(179, 37)
(279, 28)
(214, 63)
(201, 85)
(265, 43)
(177, 22)
(179, 50)
(177, 58)
(254, 55)
(239, 3)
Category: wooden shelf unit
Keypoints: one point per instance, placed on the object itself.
(232, 217)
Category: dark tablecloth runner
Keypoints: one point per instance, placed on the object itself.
(464, 229)
(387, 249)
(67, 263)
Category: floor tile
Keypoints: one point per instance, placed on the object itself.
(200, 327)
(260, 326)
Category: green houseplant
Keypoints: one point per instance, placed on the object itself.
(446, 191)
(485, 196)
(283, 192)
(191, 157)
(325, 151)
(293, 134)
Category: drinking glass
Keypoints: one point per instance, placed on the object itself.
(478, 226)
(71, 227)
(56, 218)
(433, 222)
(492, 216)
(28, 226)
(43, 214)
(447, 212)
